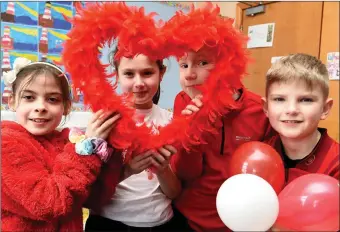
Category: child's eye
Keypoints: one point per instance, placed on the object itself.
(27, 97)
(306, 99)
(278, 99)
(203, 63)
(183, 65)
(148, 73)
(128, 73)
(53, 99)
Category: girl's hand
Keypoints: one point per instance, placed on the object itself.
(101, 124)
(160, 158)
(194, 106)
(138, 164)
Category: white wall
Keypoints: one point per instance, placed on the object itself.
(75, 119)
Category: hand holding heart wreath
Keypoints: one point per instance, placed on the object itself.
(138, 33)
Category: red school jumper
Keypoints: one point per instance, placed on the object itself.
(204, 172)
(323, 159)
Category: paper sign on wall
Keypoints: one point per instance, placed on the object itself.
(333, 65)
(261, 35)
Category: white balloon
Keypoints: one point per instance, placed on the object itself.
(247, 202)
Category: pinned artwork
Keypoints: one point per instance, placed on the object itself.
(37, 31)
(333, 65)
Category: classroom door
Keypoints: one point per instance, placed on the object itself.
(298, 29)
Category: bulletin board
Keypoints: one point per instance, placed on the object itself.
(36, 31)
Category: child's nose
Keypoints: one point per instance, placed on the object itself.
(40, 106)
(292, 108)
(191, 74)
(139, 82)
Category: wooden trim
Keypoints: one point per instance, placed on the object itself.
(320, 43)
(249, 4)
(239, 16)
(242, 5)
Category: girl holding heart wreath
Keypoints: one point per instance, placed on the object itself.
(142, 200)
(45, 178)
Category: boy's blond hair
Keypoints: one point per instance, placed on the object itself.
(297, 67)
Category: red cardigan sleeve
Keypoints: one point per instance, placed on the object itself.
(39, 191)
(104, 187)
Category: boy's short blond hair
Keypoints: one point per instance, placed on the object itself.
(297, 67)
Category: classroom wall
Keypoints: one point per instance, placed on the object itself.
(35, 38)
(330, 43)
(300, 27)
(306, 27)
(227, 8)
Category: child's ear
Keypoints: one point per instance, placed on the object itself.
(265, 105)
(326, 108)
(11, 102)
(67, 109)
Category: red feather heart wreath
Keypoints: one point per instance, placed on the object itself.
(139, 33)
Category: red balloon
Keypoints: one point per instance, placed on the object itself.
(259, 159)
(309, 203)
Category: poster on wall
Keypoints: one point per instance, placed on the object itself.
(20, 12)
(333, 65)
(37, 30)
(261, 35)
(51, 15)
(19, 37)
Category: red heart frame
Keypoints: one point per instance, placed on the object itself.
(138, 33)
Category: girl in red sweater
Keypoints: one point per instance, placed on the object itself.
(45, 178)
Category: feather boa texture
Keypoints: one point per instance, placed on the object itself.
(139, 33)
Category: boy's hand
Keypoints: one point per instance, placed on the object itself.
(101, 124)
(194, 106)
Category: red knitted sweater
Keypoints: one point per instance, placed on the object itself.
(44, 183)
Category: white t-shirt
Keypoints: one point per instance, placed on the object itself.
(139, 200)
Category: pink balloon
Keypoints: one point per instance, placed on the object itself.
(309, 203)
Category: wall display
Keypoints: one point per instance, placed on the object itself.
(37, 30)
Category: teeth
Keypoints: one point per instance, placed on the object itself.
(39, 120)
(291, 121)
